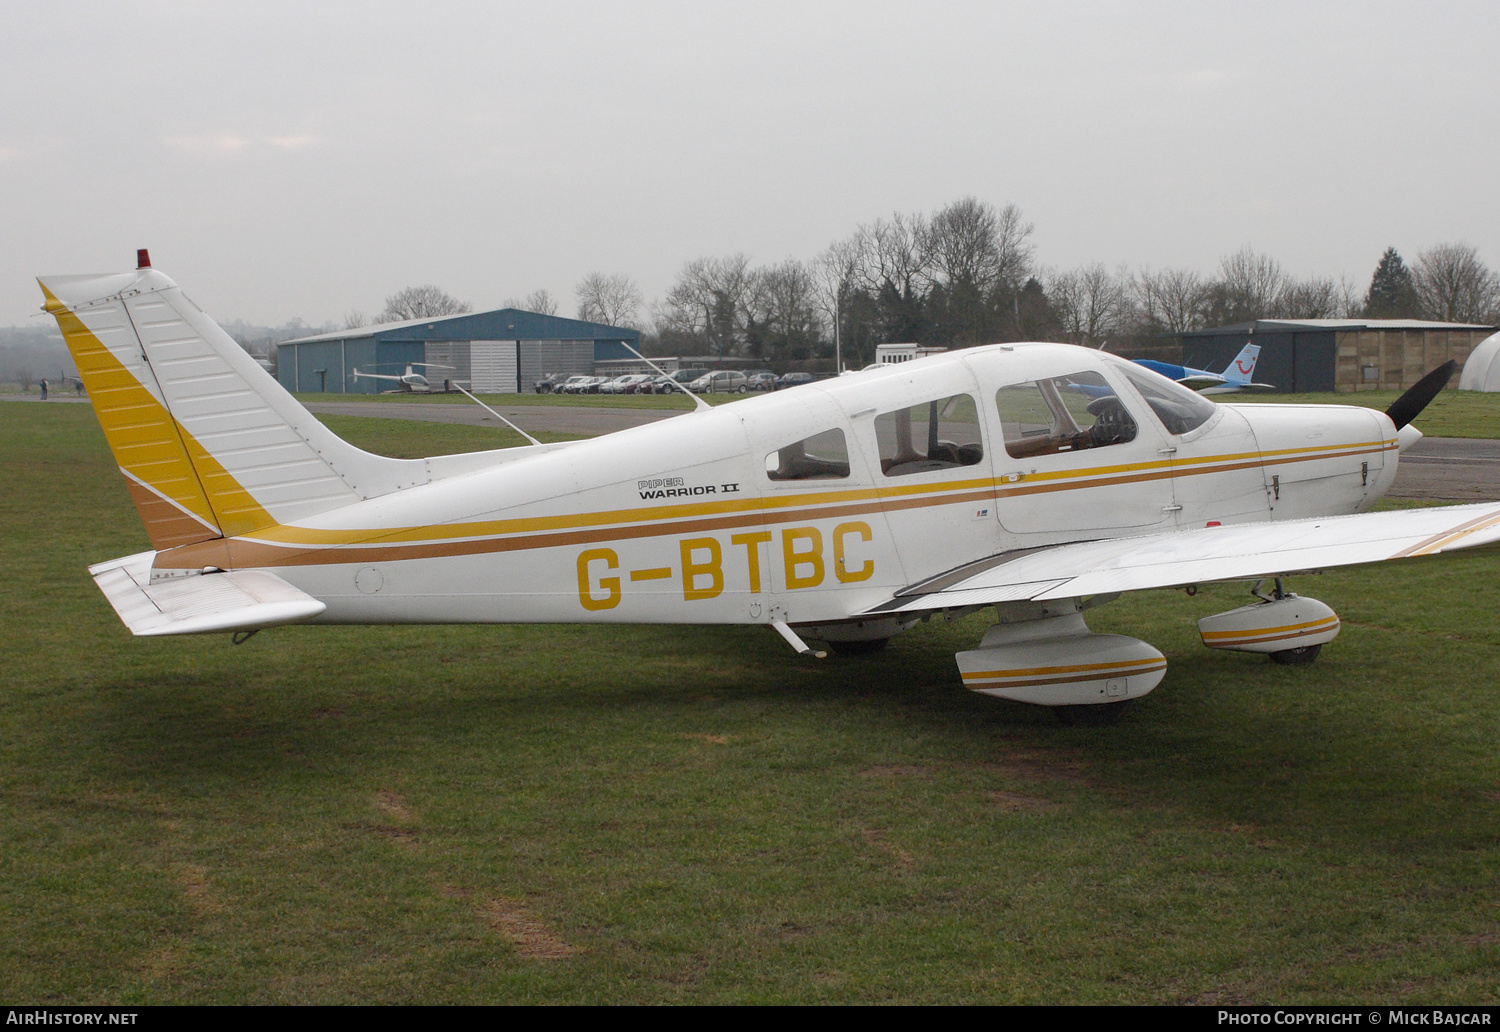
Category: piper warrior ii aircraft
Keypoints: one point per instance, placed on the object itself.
(1037, 479)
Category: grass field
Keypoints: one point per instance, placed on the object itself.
(589, 814)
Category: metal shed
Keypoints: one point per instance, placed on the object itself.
(1303, 355)
(500, 352)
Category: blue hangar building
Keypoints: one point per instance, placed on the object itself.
(499, 352)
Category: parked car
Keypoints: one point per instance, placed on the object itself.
(624, 384)
(570, 385)
(682, 376)
(721, 381)
(550, 383)
(762, 380)
(793, 380)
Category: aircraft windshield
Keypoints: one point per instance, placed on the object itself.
(1062, 414)
(934, 435)
(1179, 409)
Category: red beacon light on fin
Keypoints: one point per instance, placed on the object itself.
(142, 258)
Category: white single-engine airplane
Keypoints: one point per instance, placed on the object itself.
(1038, 479)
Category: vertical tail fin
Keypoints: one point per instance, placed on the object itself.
(1242, 368)
(209, 443)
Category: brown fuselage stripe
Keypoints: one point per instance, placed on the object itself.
(236, 553)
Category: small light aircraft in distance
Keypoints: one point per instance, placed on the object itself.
(1237, 375)
(409, 382)
(1039, 480)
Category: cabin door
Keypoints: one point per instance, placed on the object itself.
(1074, 459)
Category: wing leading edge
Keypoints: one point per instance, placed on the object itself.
(1176, 558)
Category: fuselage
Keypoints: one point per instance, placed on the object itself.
(815, 504)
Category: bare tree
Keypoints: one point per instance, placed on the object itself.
(1091, 303)
(541, 302)
(1316, 297)
(1351, 299)
(612, 300)
(1453, 285)
(963, 245)
(835, 275)
(895, 255)
(783, 303)
(1013, 243)
(1170, 301)
(421, 303)
(354, 319)
(708, 303)
(1249, 287)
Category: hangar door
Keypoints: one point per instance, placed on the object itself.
(494, 366)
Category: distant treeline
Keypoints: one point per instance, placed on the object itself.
(967, 275)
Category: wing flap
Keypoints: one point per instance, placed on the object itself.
(1213, 554)
(236, 600)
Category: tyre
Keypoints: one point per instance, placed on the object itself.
(1297, 657)
(1091, 716)
(742, 389)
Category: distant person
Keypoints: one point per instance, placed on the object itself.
(44, 389)
(78, 387)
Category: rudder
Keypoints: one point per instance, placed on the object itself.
(209, 442)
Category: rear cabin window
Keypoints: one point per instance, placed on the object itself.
(1062, 414)
(822, 456)
(1179, 409)
(935, 435)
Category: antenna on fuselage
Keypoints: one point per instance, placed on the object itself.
(696, 400)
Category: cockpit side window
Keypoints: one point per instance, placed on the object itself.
(934, 435)
(823, 456)
(1179, 409)
(1062, 414)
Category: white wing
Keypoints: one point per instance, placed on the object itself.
(1200, 556)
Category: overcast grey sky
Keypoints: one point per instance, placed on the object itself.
(308, 158)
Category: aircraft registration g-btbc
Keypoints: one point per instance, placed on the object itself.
(1037, 479)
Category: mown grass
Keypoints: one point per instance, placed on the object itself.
(592, 814)
(1452, 413)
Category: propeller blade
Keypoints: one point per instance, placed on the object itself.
(1410, 405)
